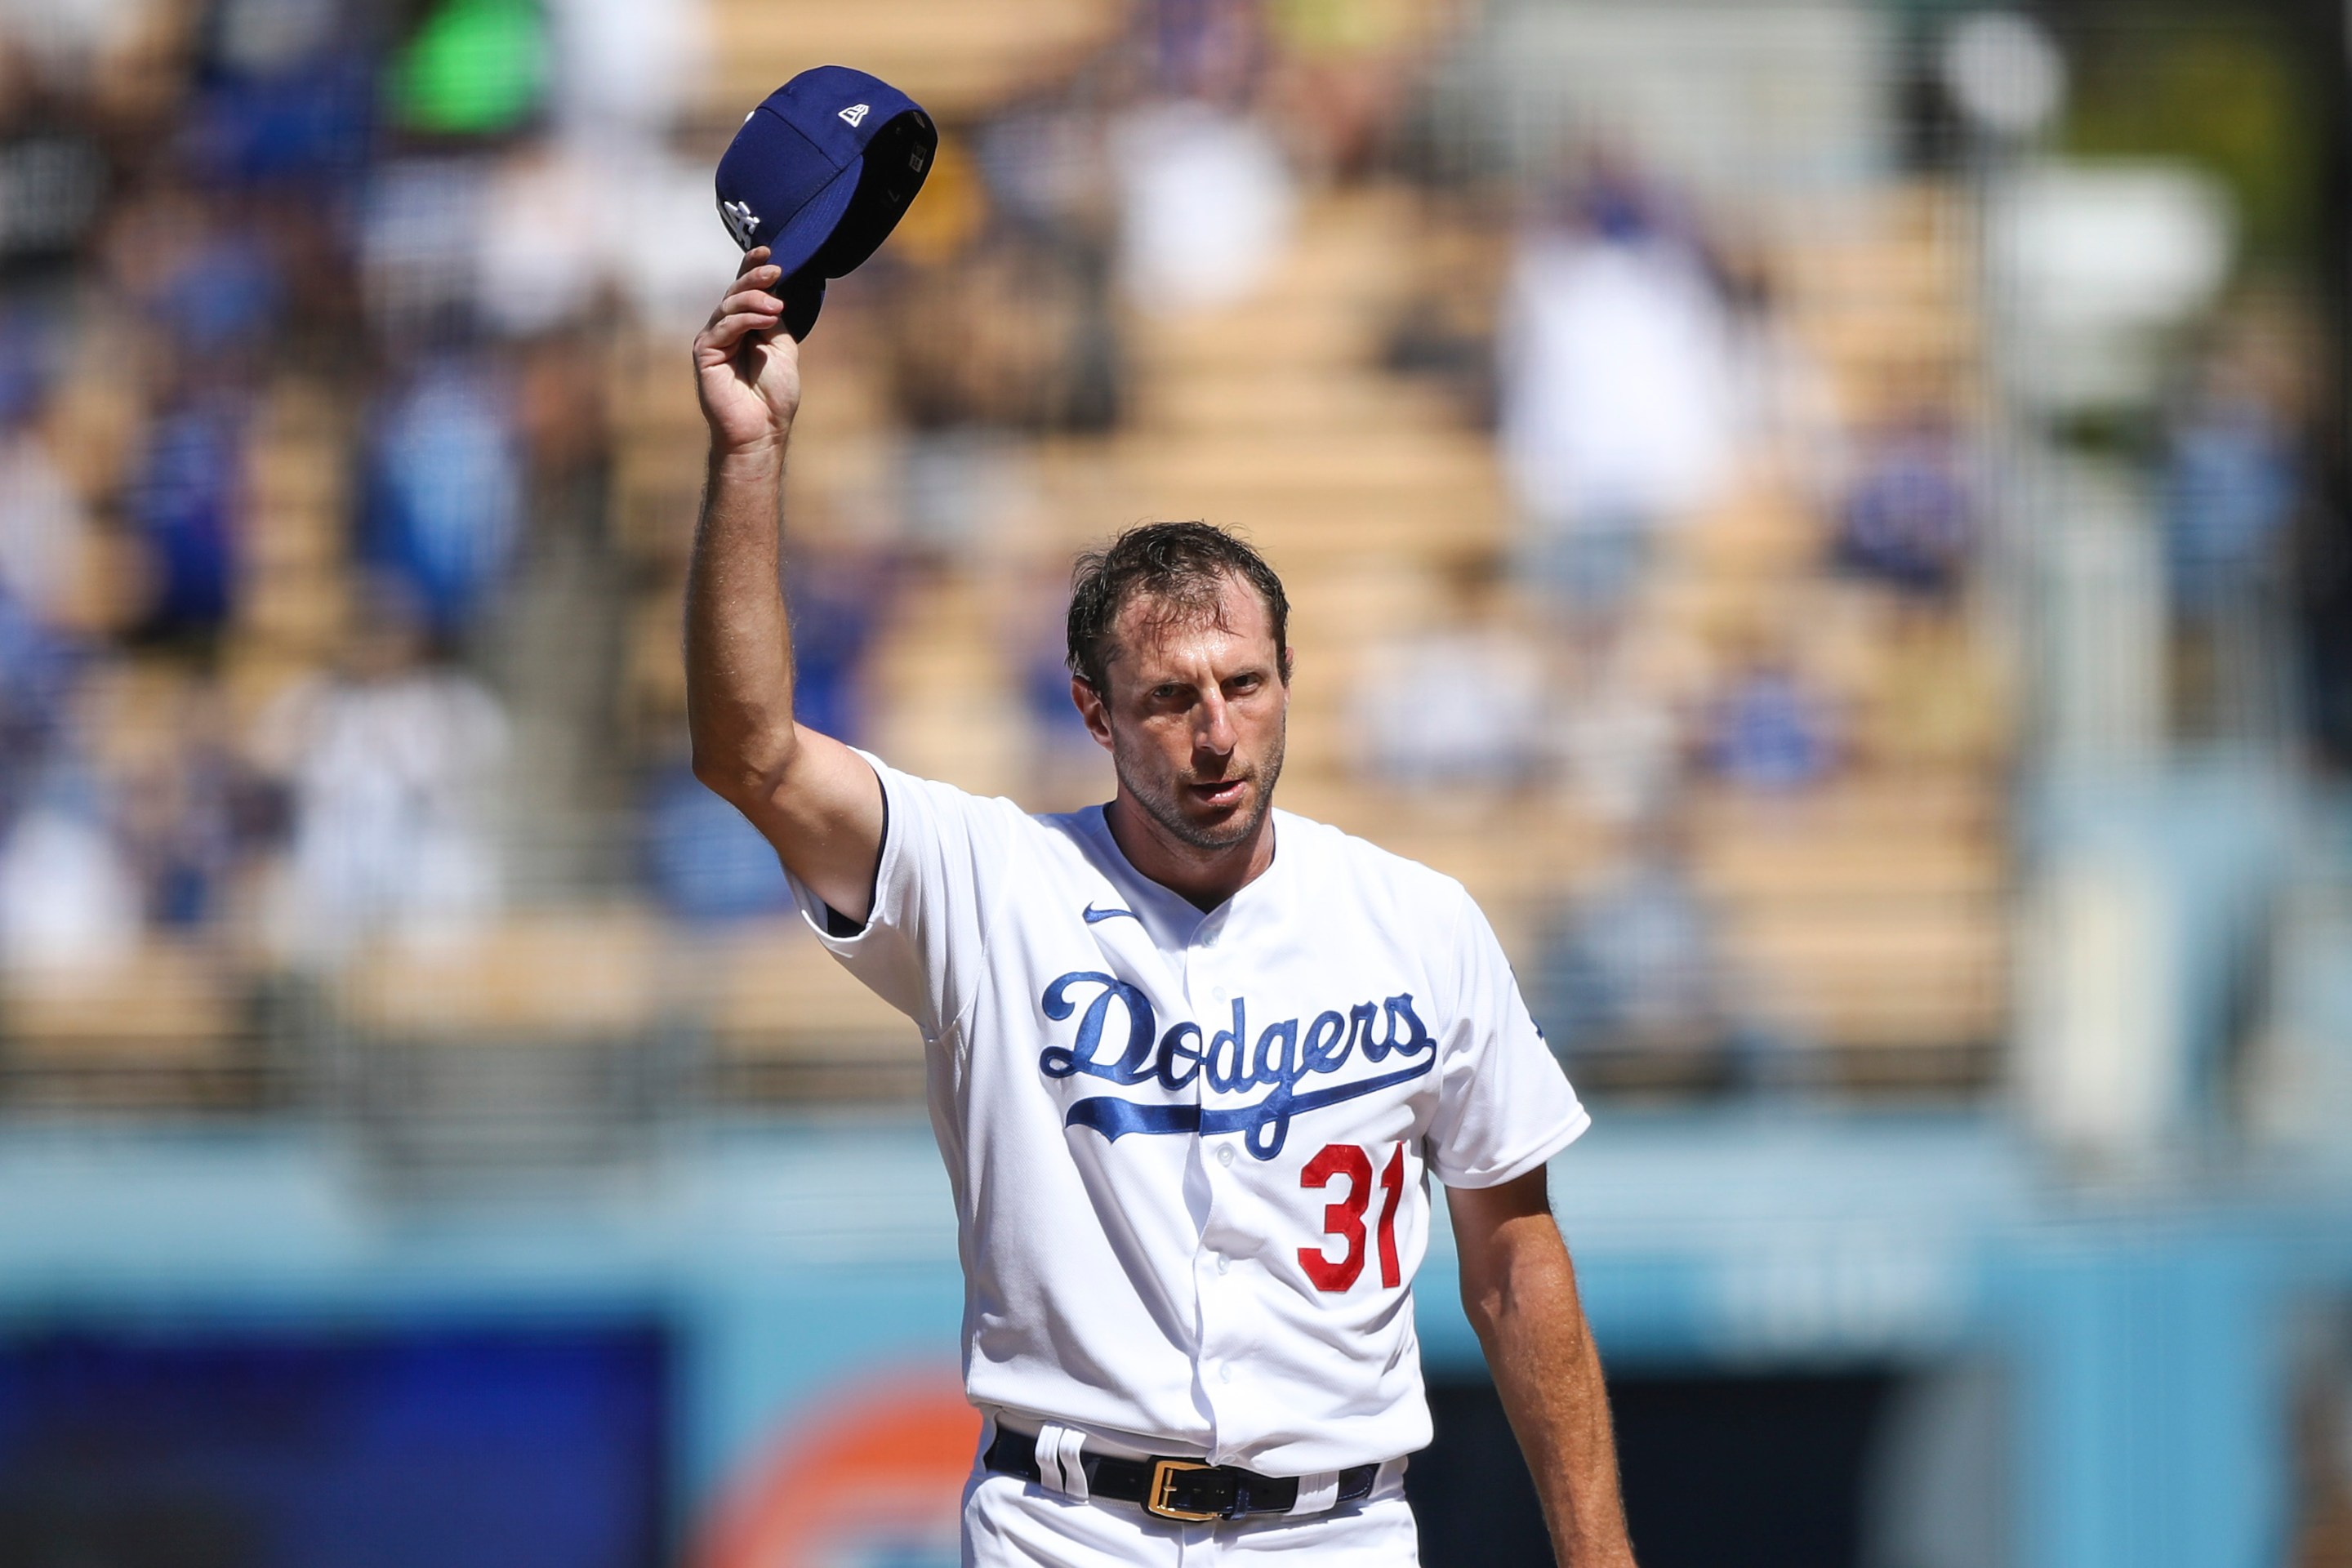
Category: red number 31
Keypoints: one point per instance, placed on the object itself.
(1345, 1219)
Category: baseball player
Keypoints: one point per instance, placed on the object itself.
(1191, 1061)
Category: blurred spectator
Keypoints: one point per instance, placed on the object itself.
(1048, 170)
(1772, 731)
(1209, 50)
(67, 897)
(2231, 486)
(705, 861)
(1047, 166)
(36, 675)
(210, 279)
(999, 312)
(1460, 703)
(525, 283)
(177, 799)
(840, 597)
(1617, 730)
(1066, 768)
(1341, 75)
(561, 416)
(54, 173)
(447, 489)
(32, 331)
(1908, 521)
(283, 94)
(1011, 334)
(49, 188)
(1789, 423)
(184, 503)
(1208, 206)
(421, 222)
(1636, 968)
(1442, 332)
(623, 68)
(997, 337)
(221, 297)
(1616, 392)
(956, 488)
(390, 766)
(44, 530)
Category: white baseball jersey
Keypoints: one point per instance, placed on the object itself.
(1189, 1151)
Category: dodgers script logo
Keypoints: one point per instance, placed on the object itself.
(1280, 1061)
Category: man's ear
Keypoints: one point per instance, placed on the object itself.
(1093, 709)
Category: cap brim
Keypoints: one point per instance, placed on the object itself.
(804, 297)
(805, 233)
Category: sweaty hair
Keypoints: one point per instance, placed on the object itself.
(1182, 566)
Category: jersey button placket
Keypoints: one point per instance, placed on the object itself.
(1224, 1293)
(1224, 1311)
(1215, 1287)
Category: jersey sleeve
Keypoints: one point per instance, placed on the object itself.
(944, 855)
(1504, 1105)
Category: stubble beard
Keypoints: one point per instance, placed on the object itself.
(1161, 802)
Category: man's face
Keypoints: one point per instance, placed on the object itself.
(1194, 715)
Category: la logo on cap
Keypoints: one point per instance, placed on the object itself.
(741, 221)
(855, 113)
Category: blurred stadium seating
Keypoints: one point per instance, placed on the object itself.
(1863, 918)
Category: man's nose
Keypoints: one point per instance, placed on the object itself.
(1212, 730)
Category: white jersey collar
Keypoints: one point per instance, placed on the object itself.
(1174, 921)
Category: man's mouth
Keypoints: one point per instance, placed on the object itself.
(1223, 792)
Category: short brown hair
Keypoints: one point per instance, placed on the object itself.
(1184, 566)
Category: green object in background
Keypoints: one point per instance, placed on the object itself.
(476, 68)
(2228, 93)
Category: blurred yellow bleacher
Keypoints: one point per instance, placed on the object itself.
(953, 59)
(158, 1025)
(787, 1022)
(573, 975)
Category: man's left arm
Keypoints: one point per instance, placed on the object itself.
(1519, 1290)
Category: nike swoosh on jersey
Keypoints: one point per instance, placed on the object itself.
(1096, 917)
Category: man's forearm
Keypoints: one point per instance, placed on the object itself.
(813, 798)
(739, 663)
(1548, 1371)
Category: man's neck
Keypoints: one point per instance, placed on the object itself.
(1203, 878)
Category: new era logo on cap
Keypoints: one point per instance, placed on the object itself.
(854, 113)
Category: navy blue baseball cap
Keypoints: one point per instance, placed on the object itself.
(820, 174)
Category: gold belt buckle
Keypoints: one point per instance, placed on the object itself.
(1163, 1481)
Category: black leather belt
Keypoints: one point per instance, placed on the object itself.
(1185, 1489)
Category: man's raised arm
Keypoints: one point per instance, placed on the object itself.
(814, 798)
